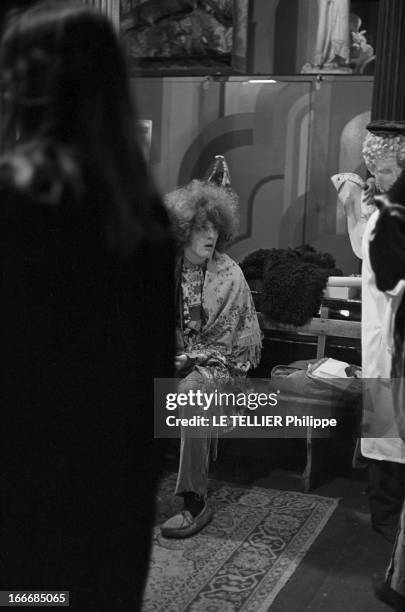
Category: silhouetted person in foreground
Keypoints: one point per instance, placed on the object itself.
(86, 257)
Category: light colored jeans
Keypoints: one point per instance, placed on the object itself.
(194, 452)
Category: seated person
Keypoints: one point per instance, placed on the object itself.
(218, 334)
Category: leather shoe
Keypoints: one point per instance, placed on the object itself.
(185, 525)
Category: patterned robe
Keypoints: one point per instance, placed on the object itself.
(218, 328)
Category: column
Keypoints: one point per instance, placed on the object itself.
(389, 81)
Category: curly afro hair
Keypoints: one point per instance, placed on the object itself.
(192, 206)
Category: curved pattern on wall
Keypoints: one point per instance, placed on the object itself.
(351, 144)
(351, 158)
(218, 146)
(217, 139)
(250, 205)
(265, 149)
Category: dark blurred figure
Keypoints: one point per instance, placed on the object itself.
(387, 256)
(86, 315)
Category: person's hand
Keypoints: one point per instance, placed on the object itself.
(180, 362)
(369, 191)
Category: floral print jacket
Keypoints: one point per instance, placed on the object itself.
(218, 329)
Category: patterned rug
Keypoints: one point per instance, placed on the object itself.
(242, 559)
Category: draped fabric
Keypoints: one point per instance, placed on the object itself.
(228, 341)
(332, 40)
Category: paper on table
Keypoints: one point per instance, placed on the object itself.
(331, 368)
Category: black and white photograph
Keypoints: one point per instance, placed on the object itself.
(202, 235)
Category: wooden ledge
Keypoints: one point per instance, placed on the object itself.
(317, 326)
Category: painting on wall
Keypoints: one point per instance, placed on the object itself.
(185, 36)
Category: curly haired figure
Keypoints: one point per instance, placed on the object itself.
(218, 335)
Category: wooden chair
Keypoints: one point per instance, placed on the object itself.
(321, 327)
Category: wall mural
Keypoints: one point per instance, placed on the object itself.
(282, 142)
